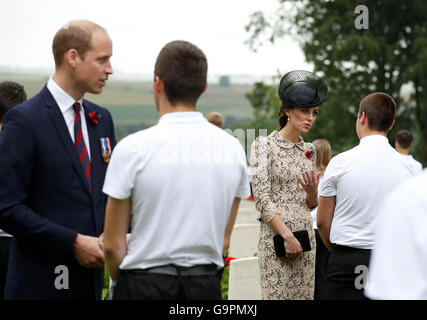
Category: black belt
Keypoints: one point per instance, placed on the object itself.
(346, 248)
(6, 240)
(173, 270)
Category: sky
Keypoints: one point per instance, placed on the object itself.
(140, 28)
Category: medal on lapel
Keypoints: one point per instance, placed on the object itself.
(105, 148)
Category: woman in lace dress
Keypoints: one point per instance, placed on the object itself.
(284, 183)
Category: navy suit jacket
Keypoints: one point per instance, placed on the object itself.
(45, 199)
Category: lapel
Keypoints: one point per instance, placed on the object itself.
(62, 130)
(93, 133)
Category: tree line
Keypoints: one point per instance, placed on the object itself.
(389, 56)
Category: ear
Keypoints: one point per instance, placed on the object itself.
(206, 88)
(391, 127)
(158, 84)
(71, 57)
(363, 118)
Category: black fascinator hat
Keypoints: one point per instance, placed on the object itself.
(302, 89)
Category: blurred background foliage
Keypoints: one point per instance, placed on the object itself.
(390, 56)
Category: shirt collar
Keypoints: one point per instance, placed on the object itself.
(186, 116)
(63, 99)
(374, 138)
(279, 140)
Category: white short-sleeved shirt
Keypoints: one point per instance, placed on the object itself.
(416, 166)
(314, 211)
(183, 175)
(398, 266)
(360, 179)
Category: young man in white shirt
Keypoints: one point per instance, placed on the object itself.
(403, 144)
(398, 265)
(182, 181)
(351, 195)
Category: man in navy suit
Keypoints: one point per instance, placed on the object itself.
(54, 153)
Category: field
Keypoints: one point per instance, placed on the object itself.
(132, 106)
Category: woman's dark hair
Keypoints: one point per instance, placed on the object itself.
(283, 118)
(300, 89)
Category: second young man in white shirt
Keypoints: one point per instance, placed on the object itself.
(351, 195)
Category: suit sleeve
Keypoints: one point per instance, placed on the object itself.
(112, 135)
(17, 148)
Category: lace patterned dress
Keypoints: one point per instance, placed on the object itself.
(276, 164)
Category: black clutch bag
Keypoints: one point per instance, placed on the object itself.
(301, 236)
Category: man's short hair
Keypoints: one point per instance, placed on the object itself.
(380, 110)
(404, 138)
(74, 35)
(11, 94)
(183, 68)
(216, 118)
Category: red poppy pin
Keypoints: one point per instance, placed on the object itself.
(94, 117)
(227, 261)
(309, 154)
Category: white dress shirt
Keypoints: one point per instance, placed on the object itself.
(360, 179)
(183, 175)
(398, 266)
(415, 165)
(65, 103)
(314, 211)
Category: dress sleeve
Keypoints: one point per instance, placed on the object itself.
(261, 178)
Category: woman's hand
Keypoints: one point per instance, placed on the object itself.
(293, 247)
(310, 182)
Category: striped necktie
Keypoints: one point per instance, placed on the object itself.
(80, 144)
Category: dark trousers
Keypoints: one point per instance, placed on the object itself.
(5, 244)
(322, 254)
(346, 273)
(141, 285)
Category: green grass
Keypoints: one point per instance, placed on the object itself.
(106, 288)
(224, 283)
